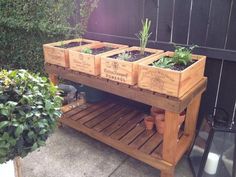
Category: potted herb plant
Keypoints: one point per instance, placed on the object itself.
(29, 109)
(88, 59)
(57, 53)
(122, 65)
(172, 73)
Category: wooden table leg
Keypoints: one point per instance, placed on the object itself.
(170, 140)
(191, 116)
(53, 78)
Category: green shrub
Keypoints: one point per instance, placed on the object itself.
(29, 109)
(26, 25)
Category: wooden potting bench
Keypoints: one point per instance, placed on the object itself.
(122, 127)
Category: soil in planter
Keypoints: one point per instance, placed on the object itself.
(97, 51)
(177, 67)
(135, 55)
(72, 44)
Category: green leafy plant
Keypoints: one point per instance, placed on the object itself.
(29, 109)
(124, 56)
(183, 55)
(164, 62)
(144, 35)
(87, 50)
(26, 25)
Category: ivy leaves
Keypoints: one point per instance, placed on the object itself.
(28, 112)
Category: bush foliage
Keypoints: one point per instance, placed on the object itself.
(25, 25)
(29, 109)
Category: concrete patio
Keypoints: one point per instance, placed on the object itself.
(69, 153)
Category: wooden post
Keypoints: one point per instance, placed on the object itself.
(17, 167)
(170, 140)
(53, 78)
(191, 116)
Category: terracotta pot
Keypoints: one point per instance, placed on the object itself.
(149, 122)
(155, 110)
(160, 121)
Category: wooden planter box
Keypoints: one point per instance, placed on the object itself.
(90, 63)
(170, 82)
(123, 71)
(56, 55)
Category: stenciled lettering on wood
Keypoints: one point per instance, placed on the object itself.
(83, 63)
(116, 71)
(156, 78)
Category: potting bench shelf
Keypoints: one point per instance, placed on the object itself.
(103, 121)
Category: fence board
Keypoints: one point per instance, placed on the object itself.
(231, 44)
(218, 23)
(122, 18)
(150, 12)
(227, 93)
(164, 20)
(181, 21)
(199, 21)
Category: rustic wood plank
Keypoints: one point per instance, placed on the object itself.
(104, 115)
(119, 123)
(90, 109)
(53, 78)
(191, 116)
(75, 110)
(110, 120)
(152, 143)
(170, 136)
(129, 137)
(182, 147)
(135, 153)
(135, 121)
(96, 113)
(141, 139)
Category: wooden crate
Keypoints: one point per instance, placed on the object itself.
(123, 71)
(89, 63)
(53, 54)
(170, 82)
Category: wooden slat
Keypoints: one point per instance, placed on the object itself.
(129, 137)
(152, 143)
(218, 23)
(91, 109)
(103, 116)
(75, 110)
(160, 164)
(231, 43)
(102, 125)
(135, 121)
(181, 21)
(96, 113)
(119, 123)
(141, 139)
(158, 100)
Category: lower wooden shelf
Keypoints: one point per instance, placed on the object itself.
(121, 127)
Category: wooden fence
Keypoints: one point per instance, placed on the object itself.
(210, 24)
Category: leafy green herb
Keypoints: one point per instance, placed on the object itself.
(164, 62)
(144, 35)
(87, 50)
(124, 56)
(29, 110)
(183, 55)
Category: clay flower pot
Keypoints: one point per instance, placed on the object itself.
(149, 122)
(155, 111)
(160, 121)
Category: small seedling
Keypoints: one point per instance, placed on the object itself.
(144, 35)
(87, 50)
(183, 55)
(124, 56)
(164, 62)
